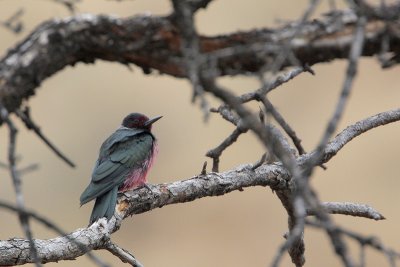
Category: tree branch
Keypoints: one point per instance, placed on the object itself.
(348, 208)
(370, 241)
(17, 183)
(142, 200)
(154, 43)
(25, 117)
(123, 254)
(134, 202)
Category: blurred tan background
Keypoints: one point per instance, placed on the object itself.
(80, 106)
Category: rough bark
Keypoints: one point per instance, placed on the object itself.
(153, 43)
(16, 251)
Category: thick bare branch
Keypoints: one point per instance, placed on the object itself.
(212, 184)
(49, 224)
(16, 251)
(154, 43)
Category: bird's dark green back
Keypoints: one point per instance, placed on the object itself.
(124, 149)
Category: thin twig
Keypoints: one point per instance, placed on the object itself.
(216, 152)
(285, 126)
(260, 161)
(24, 220)
(28, 169)
(349, 208)
(30, 125)
(370, 241)
(204, 169)
(280, 79)
(354, 55)
(14, 23)
(356, 129)
(212, 184)
(124, 255)
(69, 4)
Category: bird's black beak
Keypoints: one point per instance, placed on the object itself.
(151, 121)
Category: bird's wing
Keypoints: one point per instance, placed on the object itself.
(111, 170)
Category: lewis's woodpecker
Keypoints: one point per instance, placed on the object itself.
(124, 159)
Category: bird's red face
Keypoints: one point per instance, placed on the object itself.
(138, 121)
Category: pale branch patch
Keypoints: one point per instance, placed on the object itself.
(15, 251)
(348, 208)
(51, 225)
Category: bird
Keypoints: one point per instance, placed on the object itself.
(124, 160)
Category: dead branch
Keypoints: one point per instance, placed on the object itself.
(154, 43)
(142, 200)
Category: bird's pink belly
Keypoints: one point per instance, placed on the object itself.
(135, 179)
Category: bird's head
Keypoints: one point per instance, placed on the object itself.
(139, 121)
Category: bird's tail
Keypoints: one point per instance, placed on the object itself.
(104, 205)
